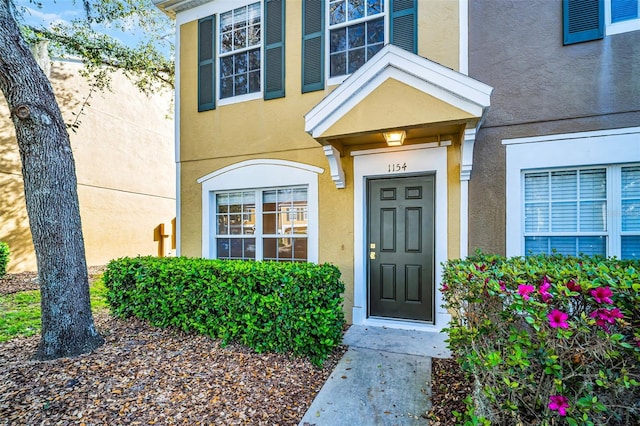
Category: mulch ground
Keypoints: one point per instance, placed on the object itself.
(147, 375)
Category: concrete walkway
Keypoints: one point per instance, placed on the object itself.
(383, 379)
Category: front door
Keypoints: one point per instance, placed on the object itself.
(400, 247)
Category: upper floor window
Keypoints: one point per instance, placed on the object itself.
(586, 20)
(356, 33)
(622, 16)
(240, 51)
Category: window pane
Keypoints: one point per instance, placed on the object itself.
(338, 64)
(593, 184)
(563, 245)
(355, 36)
(564, 217)
(375, 31)
(564, 185)
(300, 249)
(631, 247)
(240, 17)
(356, 60)
(536, 187)
(356, 9)
(592, 246)
(337, 12)
(374, 7)
(223, 248)
(226, 21)
(338, 40)
(253, 11)
(630, 180)
(536, 245)
(536, 217)
(623, 10)
(269, 249)
(593, 216)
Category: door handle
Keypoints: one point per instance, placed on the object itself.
(372, 255)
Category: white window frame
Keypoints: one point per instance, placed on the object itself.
(606, 148)
(259, 235)
(258, 175)
(619, 27)
(327, 36)
(230, 6)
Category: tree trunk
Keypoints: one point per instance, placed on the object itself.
(50, 187)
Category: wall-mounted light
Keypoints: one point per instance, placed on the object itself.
(394, 138)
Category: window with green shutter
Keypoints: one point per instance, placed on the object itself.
(355, 31)
(583, 20)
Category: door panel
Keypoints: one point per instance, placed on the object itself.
(401, 247)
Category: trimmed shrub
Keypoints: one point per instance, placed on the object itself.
(268, 306)
(4, 258)
(549, 339)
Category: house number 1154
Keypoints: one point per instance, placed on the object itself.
(396, 167)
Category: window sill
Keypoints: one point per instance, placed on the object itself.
(623, 27)
(241, 98)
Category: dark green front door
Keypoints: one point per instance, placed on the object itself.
(400, 247)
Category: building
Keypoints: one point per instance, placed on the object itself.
(349, 132)
(282, 109)
(557, 160)
(123, 149)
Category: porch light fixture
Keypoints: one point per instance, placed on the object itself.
(394, 138)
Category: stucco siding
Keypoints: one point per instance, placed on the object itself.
(123, 150)
(540, 88)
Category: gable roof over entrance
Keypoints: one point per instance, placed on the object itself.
(398, 89)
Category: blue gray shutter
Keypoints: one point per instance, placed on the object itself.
(312, 45)
(403, 23)
(583, 20)
(207, 63)
(274, 18)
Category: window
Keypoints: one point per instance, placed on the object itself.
(568, 210)
(574, 193)
(267, 224)
(585, 20)
(622, 16)
(240, 51)
(356, 33)
(262, 209)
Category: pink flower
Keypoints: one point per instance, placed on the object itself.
(559, 403)
(558, 319)
(602, 295)
(574, 286)
(502, 286)
(525, 290)
(444, 287)
(544, 290)
(604, 316)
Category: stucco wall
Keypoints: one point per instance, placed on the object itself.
(123, 150)
(274, 129)
(540, 87)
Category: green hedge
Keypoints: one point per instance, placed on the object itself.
(549, 339)
(4, 258)
(269, 306)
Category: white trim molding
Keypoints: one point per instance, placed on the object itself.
(335, 166)
(257, 174)
(392, 62)
(466, 157)
(373, 164)
(603, 147)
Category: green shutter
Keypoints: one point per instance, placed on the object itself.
(207, 63)
(403, 24)
(312, 45)
(583, 20)
(274, 18)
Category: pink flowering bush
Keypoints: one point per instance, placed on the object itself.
(550, 340)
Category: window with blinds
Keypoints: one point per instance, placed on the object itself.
(590, 211)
